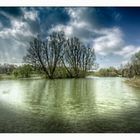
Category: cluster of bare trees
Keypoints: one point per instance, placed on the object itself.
(132, 69)
(58, 51)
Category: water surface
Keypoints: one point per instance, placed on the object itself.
(69, 105)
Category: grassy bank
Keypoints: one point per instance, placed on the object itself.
(6, 77)
(98, 74)
(135, 82)
(12, 77)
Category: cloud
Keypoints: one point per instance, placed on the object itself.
(11, 48)
(95, 17)
(50, 17)
(18, 28)
(14, 39)
(105, 40)
(19, 25)
(30, 15)
(83, 24)
(128, 51)
(94, 26)
(87, 23)
(79, 25)
(109, 42)
(13, 12)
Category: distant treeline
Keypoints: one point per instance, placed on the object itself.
(130, 70)
(107, 72)
(22, 71)
(7, 68)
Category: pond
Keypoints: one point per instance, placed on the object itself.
(69, 105)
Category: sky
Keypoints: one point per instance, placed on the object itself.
(114, 33)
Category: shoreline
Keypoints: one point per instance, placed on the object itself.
(135, 82)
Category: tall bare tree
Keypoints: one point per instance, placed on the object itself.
(46, 54)
(78, 57)
(57, 51)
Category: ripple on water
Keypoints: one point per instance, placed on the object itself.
(83, 104)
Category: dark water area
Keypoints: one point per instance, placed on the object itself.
(89, 105)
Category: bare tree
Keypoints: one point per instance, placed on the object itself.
(69, 56)
(46, 54)
(78, 57)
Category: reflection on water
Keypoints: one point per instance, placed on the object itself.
(75, 101)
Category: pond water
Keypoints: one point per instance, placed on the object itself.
(69, 105)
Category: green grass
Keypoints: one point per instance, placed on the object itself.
(6, 76)
(101, 75)
(12, 77)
